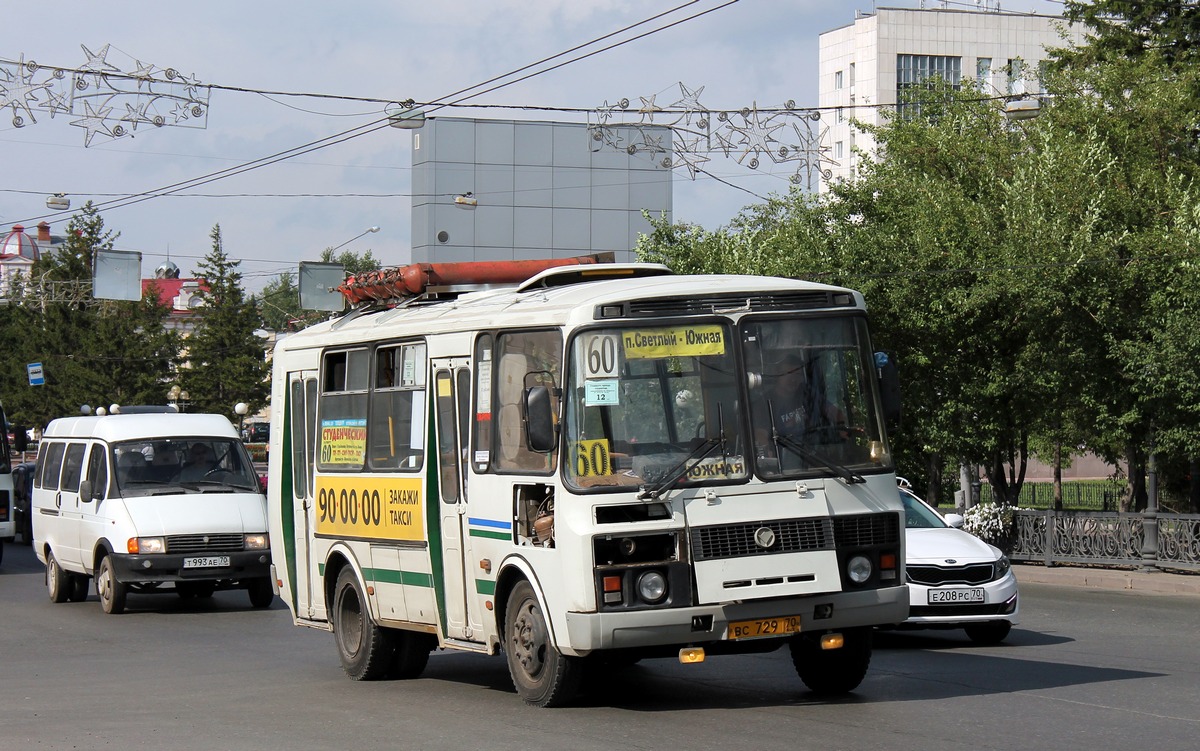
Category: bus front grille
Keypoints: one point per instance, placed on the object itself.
(211, 543)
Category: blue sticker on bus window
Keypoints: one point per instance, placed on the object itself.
(601, 392)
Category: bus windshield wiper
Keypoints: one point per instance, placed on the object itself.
(813, 457)
(680, 470)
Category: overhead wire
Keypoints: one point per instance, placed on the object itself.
(384, 122)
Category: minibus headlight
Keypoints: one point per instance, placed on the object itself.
(147, 545)
(256, 541)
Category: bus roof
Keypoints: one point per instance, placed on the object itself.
(644, 297)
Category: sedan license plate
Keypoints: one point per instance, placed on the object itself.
(207, 561)
(785, 625)
(955, 596)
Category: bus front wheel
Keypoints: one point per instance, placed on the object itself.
(543, 676)
(365, 649)
(832, 671)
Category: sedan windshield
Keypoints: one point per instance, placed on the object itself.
(654, 406)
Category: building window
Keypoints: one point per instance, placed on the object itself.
(841, 115)
(837, 80)
(915, 70)
(1016, 76)
(983, 69)
(838, 150)
(852, 75)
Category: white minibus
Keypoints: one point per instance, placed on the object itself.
(149, 501)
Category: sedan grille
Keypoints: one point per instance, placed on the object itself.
(934, 576)
(212, 543)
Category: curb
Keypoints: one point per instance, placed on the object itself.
(1148, 582)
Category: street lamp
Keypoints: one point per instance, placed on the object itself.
(368, 230)
(177, 398)
(241, 408)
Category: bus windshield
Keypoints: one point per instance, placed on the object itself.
(169, 465)
(653, 404)
(814, 401)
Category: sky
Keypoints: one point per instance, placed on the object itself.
(359, 55)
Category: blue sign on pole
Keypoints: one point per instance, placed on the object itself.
(36, 376)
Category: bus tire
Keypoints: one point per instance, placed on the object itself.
(832, 671)
(412, 654)
(543, 676)
(365, 649)
(112, 592)
(58, 583)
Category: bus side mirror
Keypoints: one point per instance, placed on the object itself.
(86, 491)
(539, 420)
(889, 388)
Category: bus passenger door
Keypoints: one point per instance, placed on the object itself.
(301, 424)
(452, 379)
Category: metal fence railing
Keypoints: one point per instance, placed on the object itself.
(1089, 496)
(1148, 539)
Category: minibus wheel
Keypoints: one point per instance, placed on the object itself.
(57, 580)
(78, 588)
(261, 594)
(112, 592)
(832, 671)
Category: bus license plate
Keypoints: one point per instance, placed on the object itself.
(955, 596)
(207, 561)
(782, 626)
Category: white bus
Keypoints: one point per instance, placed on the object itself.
(8, 497)
(586, 464)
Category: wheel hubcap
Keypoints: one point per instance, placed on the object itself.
(529, 640)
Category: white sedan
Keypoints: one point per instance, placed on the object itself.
(955, 580)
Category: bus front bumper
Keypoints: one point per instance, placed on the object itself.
(587, 632)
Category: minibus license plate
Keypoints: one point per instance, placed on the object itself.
(207, 561)
(782, 626)
(954, 596)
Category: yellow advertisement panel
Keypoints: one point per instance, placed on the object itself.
(343, 442)
(384, 508)
(674, 341)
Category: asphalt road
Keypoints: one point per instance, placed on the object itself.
(1087, 668)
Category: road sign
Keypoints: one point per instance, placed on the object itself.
(36, 376)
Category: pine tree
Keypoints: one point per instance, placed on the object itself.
(225, 357)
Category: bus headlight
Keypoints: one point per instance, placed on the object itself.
(859, 569)
(652, 586)
(256, 541)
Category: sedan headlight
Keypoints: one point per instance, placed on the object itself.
(146, 545)
(1002, 566)
(257, 541)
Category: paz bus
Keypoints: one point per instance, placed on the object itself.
(576, 463)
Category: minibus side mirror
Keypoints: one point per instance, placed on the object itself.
(539, 420)
(86, 491)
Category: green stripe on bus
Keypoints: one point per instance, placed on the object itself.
(433, 497)
(491, 533)
(392, 576)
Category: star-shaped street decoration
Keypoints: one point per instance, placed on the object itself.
(55, 103)
(93, 121)
(648, 109)
(19, 92)
(136, 114)
(96, 62)
(693, 160)
(144, 73)
(756, 135)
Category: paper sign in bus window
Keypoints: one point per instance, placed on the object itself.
(601, 392)
(674, 341)
(343, 442)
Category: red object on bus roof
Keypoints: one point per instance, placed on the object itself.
(418, 278)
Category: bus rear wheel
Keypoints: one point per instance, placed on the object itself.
(832, 671)
(543, 676)
(365, 649)
(112, 592)
(58, 581)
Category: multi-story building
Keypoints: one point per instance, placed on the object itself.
(866, 65)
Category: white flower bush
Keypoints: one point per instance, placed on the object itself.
(992, 523)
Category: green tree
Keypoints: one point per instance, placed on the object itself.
(226, 361)
(94, 352)
(280, 298)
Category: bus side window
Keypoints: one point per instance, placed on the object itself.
(524, 358)
(343, 410)
(396, 427)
